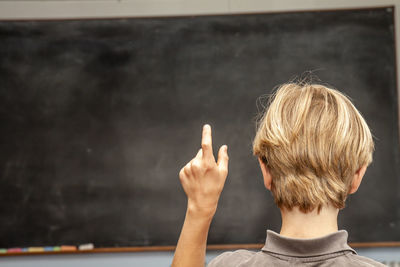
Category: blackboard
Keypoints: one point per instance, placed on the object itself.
(98, 116)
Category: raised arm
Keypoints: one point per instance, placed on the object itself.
(203, 180)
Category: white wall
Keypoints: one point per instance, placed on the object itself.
(150, 259)
(11, 9)
(60, 9)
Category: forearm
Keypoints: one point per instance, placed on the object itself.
(191, 247)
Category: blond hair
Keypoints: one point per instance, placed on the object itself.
(313, 140)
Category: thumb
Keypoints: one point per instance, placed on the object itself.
(223, 158)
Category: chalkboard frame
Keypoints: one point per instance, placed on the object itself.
(172, 248)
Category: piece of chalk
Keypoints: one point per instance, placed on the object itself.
(14, 250)
(24, 249)
(68, 248)
(56, 248)
(48, 248)
(3, 250)
(35, 249)
(86, 246)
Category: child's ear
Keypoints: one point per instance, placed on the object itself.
(355, 184)
(266, 175)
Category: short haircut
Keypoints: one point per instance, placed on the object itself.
(313, 140)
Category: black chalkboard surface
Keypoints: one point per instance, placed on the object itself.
(98, 116)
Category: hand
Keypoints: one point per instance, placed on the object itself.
(203, 179)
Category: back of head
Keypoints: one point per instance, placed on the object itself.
(313, 140)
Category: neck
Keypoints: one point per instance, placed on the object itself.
(296, 224)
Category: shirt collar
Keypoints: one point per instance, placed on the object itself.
(335, 242)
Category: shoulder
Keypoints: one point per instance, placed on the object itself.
(231, 258)
(364, 261)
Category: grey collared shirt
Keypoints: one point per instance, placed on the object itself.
(330, 250)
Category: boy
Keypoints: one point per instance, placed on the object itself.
(313, 147)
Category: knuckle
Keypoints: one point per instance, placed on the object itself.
(181, 174)
(196, 166)
(186, 169)
(205, 144)
(208, 164)
(224, 171)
